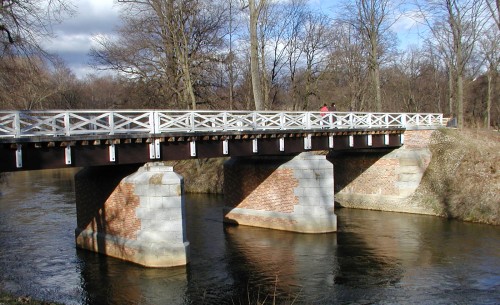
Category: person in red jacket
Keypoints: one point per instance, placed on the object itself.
(322, 111)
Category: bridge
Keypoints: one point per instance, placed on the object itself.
(272, 179)
(55, 139)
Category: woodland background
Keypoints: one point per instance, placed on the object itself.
(263, 55)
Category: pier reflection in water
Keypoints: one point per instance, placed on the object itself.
(376, 257)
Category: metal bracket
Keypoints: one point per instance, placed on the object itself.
(154, 149)
(330, 142)
(308, 142)
(19, 156)
(67, 154)
(112, 153)
(255, 147)
(192, 147)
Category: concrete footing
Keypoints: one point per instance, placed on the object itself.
(141, 220)
(284, 193)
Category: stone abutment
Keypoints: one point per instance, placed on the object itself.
(383, 179)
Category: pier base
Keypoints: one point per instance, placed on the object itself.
(141, 220)
(283, 193)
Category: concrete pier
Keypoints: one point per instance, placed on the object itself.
(292, 193)
(141, 219)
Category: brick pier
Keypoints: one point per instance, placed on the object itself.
(139, 218)
(284, 193)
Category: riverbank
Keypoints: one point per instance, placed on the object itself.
(9, 299)
(461, 182)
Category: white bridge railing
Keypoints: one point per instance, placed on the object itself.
(19, 124)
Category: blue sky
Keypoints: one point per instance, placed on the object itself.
(75, 36)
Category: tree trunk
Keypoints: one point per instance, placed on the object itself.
(487, 119)
(375, 71)
(376, 80)
(450, 89)
(254, 56)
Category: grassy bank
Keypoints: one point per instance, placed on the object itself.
(463, 178)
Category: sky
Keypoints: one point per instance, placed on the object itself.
(74, 37)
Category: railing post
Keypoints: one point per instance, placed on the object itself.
(224, 121)
(67, 127)
(308, 120)
(191, 117)
(403, 119)
(282, 120)
(254, 120)
(111, 122)
(54, 126)
(351, 120)
(17, 124)
(154, 122)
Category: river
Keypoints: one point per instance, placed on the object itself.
(374, 258)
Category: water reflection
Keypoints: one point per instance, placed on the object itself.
(376, 257)
(281, 264)
(110, 281)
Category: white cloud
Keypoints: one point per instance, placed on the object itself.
(74, 36)
(408, 27)
(408, 21)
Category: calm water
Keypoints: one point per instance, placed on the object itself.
(375, 258)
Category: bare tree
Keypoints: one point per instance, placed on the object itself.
(167, 44)
(316, 41)
(494, 8)
(25, 23)
(26, 83)
(490, 50)
(461, 21)
(373, 19)
(281, 33)
(254, 11)
(347, 68)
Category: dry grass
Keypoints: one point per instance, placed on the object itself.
(202, 175)
(463, 178)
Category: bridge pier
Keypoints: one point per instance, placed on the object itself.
(139, 218)
(291, 193)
